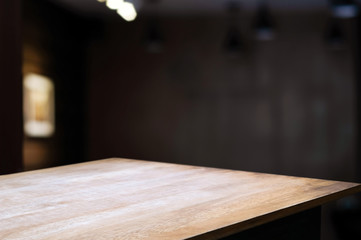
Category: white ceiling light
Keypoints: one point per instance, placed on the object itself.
(114, 4)
(125, 8)
(127, 11)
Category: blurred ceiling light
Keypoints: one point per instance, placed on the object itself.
(334, 36)
(38, 106)
(344, 8)
(264, 28)
(114, 4)
(127, 11)
(234, 43)
(153, 38)
(125, 8)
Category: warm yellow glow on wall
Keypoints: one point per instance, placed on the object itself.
(38, 106)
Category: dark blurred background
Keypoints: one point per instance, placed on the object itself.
(265, 86)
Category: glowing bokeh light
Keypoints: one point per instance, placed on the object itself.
(114, 4)
(38, 106)
(127, 11)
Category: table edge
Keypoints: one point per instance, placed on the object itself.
(272, 216)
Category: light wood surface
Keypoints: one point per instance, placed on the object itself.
(132, 199)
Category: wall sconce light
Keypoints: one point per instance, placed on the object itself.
(38, 106)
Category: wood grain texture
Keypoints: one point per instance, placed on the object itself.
(132, 199)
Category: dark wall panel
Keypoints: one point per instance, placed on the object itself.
(284, 106)
(10, 87)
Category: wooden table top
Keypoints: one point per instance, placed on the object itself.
(132, 199)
